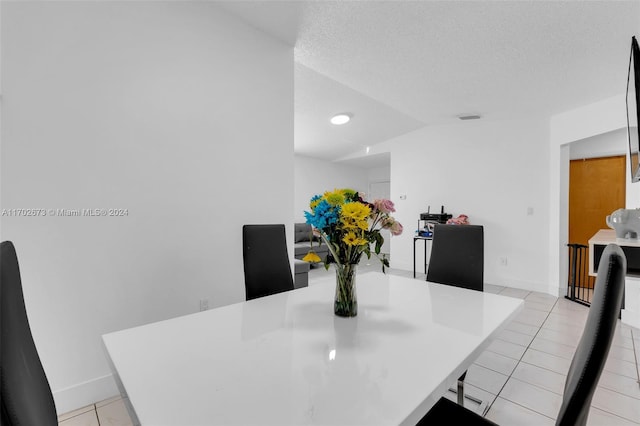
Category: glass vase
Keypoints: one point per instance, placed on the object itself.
(346, 302)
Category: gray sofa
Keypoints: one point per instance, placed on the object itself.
(302, 238)
(301, 273)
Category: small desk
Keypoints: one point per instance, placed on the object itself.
(425, 239)
(287, 359)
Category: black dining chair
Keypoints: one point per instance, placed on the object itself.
(588, 360)
(457, 256)
(457, 259)
(266, 260)
(25, 394)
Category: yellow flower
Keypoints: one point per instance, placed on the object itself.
(349, 223)
(362, 224)
(314, 203)
(311, 257)
(351, 239)
(335, 198)
(356, 211)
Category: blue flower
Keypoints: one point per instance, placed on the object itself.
(323, 216)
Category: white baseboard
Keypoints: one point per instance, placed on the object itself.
(527, 285)
(83, 394)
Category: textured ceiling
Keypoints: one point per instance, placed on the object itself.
(434, 60)
(317, 98)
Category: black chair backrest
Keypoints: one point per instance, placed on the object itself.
(457, 256)
(24, 389)
(266, 260)
(593, 348)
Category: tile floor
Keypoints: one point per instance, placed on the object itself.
(521, 375)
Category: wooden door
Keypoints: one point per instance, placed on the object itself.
(596, 189)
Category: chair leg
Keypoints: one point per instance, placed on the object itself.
(460, 392)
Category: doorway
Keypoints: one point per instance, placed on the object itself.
(597, 187)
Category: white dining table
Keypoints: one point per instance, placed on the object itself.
(287, 359)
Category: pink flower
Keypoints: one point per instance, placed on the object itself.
(384, 206)
(392, 225)
(396, 228)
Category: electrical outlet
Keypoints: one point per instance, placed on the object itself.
(503, 260)
(204, 304)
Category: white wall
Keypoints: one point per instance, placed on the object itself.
(314, 176)
(604, 145)
(379, 174)
(491, 171)
(142, 106)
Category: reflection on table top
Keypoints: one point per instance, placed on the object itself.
(286, 359)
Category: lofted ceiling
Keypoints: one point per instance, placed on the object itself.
(401, 65)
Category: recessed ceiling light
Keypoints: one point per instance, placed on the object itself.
(342, 118)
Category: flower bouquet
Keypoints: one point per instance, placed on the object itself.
(349, 226)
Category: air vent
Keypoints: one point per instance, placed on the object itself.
(469, 117)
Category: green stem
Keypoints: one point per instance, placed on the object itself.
(330, 247)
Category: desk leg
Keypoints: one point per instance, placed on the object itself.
(425, 257)
(414, 258)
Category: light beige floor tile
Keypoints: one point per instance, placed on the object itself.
(542, 297)
(598, 417)
(115, 414)
(87, 418)
(617, 403)
(621, 384)
(531, 317)
(507, 349)
(74, 413)
(511, 336)
(515, 292)
(622, 353)
(548, 361)
(496, 362)
(529, 330)
(504, 412)
(485, 379)
(532, 397)
(541, 377)
(538, 306)
(624, 368)
(558, 323)
(570, 317)
(623, 330)
(564, 337)
(553, 348)
(625, 342)
(568, 305)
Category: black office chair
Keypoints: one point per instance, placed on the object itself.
(25, 394)
(588, 360)
(457, 256)
(457, 259)
(266, 261)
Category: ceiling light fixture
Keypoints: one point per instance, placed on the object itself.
(340, 119)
